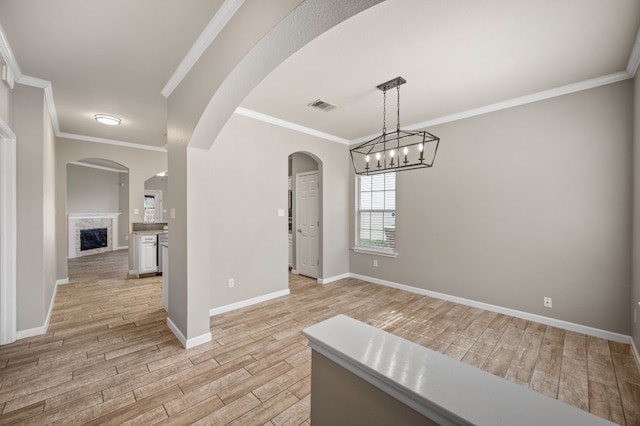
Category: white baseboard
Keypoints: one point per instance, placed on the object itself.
(37, 331)
(332, 279)
(294, 272)
(188, 343)
(248, 302)
(31, 332)
(121, 248)
(578, 328)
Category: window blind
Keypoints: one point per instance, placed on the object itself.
(376, 211)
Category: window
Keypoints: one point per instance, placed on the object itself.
(376, 212)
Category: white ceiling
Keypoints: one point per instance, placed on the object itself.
(111, 57)
(115, 57)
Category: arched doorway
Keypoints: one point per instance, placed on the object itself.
(97, 201)
(305, 214)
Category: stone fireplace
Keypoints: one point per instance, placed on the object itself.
(78, 222)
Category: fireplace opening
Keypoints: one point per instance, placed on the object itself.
(93, 238)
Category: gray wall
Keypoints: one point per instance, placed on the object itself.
(354, 401)
(237, 231)
(524, 203)
(91, 190)
(36, 234)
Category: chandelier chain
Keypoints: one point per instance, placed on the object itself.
(384, 112)
(398, 127)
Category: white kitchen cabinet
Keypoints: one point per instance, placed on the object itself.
(145, 253)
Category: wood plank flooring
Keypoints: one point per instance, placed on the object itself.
(109, 358)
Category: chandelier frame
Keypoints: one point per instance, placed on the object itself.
(395, 150)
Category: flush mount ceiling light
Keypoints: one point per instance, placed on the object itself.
(395, 150)
(109, 120)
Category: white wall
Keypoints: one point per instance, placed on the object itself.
(6, 100)
(237, 188)
(524, 203)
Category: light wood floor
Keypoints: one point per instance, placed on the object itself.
(109, 358)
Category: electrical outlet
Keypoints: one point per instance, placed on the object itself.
(232, 283)
(547, 302)
(375, 263)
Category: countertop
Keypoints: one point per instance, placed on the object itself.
(156, 232)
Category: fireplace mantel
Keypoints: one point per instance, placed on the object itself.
(77, 216)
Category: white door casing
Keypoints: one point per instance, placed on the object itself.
(307, 223)
(8, 322)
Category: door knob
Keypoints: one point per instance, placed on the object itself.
(300, 231)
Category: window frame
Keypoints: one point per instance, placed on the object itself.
(373, 249)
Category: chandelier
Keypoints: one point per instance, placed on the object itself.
(394, 150)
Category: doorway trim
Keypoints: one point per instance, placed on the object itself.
(8, 248)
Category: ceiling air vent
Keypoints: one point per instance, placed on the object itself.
(322, 105)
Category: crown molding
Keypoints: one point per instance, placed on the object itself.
(110, 142)
(510, 103)
(8, 56)
(634, 57)
(48, 95)
(211, 31)
(93, 166)
(289, 125)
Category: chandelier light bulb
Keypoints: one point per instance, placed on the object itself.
(392, 153)
(420, 147)
(378, 156)
(406, 150)
(366, 158)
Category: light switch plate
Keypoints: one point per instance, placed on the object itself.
(136, 211)
(281, 212)
(172, 213)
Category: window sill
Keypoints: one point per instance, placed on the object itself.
(374, 251)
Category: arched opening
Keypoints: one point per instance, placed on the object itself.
(97, 207)
(156, 198)
(305, 214)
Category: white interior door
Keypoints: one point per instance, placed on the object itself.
(307, 224)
